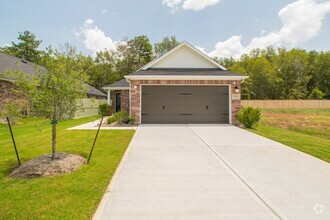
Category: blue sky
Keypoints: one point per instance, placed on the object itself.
(219, 27)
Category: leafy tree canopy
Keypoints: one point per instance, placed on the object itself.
(26, 48)
(167, 44)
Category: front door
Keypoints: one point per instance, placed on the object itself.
(118, 102)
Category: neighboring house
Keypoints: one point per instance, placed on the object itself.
(7, 86)
(182, 86)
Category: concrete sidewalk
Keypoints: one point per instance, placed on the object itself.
(214, 172)
(94, 126)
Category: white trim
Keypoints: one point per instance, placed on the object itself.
(184, 43)
(187, 77)
(230, 99)
(229, 94)
(129, 98)
(115, 88)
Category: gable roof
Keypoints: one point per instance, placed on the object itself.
(193, 50)
(119, 85)
(94, 91)
(184, 62)
(12, 63)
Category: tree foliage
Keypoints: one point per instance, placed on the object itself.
(54, 93)
(27, 48)
(167, 44)
(283, 74)
(273, 73)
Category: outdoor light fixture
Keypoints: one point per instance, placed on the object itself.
(135, 86)
(236, 89)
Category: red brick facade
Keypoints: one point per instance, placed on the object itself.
(7, 93)
(124, 100)
(136, 93)
(9, 96)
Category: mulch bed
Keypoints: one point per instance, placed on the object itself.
(43, 166)
(115, 124)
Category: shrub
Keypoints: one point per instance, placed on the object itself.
(132, 120)
(248, 116)
(316, 94)
(104, 109)
(119, 117)
(125, 120)
(111, 120)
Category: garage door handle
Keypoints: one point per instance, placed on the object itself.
(207, 107)
(163, 107)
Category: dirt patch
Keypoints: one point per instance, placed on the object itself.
(315, 124)
(43, 166)
(115, 124)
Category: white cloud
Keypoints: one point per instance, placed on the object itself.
(172, 4)
(231, 47)
(94, 38)
(103, 11)
(202, 49)
(195, 5)
(301, 21)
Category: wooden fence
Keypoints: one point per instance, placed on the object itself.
(283, 104)
(89, 107)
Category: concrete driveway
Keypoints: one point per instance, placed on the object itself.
(215, 172)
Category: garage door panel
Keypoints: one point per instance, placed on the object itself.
(185, 104)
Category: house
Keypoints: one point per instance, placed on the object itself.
(12, 63)
(182, 86)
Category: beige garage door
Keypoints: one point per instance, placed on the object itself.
(184, 104)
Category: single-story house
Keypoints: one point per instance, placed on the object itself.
(12, 63)
(182, 86)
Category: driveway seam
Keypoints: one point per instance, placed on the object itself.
(261, 198)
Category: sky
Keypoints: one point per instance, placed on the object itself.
(220, 28)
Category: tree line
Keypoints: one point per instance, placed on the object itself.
(274, 73)
(283, 74)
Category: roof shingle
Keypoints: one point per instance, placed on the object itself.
(12, 63)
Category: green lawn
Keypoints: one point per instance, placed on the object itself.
(305, 130)
(72, 196)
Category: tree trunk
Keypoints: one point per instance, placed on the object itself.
(53, 139)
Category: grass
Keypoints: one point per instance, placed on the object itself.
(306, 121)
(307, 130)
(71, 196)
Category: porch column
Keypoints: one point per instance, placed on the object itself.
(108, 97)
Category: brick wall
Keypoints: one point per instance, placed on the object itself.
(6, 92)
(135, 93)
(124, 96)
(9, 96)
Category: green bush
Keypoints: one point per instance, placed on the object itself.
(125, 120)
(119, 117)
(249, 116)
(132, 120)
(111, 120)
(316, 94)
(104, 109)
